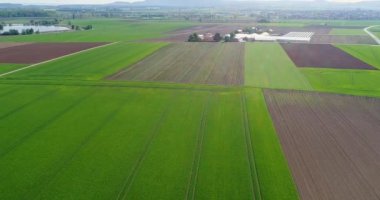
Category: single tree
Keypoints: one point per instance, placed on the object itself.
(217, 37)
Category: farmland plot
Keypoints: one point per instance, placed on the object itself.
(38, 52)
(367, 53)
(342, 39)
(322, 56)
(200, 63)
(148, 143)
(90, 65)
(331, 143)
(4, 45)
(268, 66)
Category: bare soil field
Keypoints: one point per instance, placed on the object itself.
(4, 45)
(331, 143)
(198, 63)
(38, 52)
(342, 39)
(322, 56)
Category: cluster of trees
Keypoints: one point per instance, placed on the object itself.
(7, 13)
(216, 38)
(44, 22)
(27, 32)
(194, 38)
(11, 32)
(230, 38)
(1, 27)
(78, 28)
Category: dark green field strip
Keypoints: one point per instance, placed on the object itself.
(47, 150)
(4, 68)
(90, 65)
(273, 172)
(224, 171)
(165, 171)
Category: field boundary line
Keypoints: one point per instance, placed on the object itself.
(250, 150)
(191, 187)
(46, 124)
(154, 132)
(373, 36)
(54, 59)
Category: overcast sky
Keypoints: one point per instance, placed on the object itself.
(97, 1)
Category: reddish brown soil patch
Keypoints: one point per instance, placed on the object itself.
(331, 143)
(322, 56)
(4, 45)
(342, 39)
(38, 52)
(198, 63)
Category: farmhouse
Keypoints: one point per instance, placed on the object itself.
(290, 37)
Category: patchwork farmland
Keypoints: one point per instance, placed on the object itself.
(118, 115)
(219, 64)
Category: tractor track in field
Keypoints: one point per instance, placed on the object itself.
(86, 140)
(8, 92)
(191, 188)
(28, 104)
(42, 126)
(250, 150)
(127, 183)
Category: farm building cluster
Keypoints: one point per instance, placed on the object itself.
(253, 34)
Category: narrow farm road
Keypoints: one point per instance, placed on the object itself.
(371, 34)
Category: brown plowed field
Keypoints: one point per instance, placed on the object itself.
(342, 39)
(38, 52)
(198, 63)
(4, 45)
(322, 56)
(331, 143)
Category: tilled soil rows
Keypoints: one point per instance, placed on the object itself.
(38, 52)
(199, 63)
(322, 56)
(331, 143)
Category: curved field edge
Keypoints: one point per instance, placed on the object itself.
(91, 65)
(273, 173)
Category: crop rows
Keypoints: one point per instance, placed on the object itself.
(205, 63)
(129, 143)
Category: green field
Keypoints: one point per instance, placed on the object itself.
(105, 30)
(4, 68)
(355, 82)
(90, 65)
(339, 31)
(144, 143)
(366, 53)
(268, 66)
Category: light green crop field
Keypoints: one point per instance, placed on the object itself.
(4, 68)
(366, 53)
(105, 142)
(105, 31)
(355, 82)
(268, 66)
(90, 65)
(339, 31)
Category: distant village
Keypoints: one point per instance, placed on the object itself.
(250, 35)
